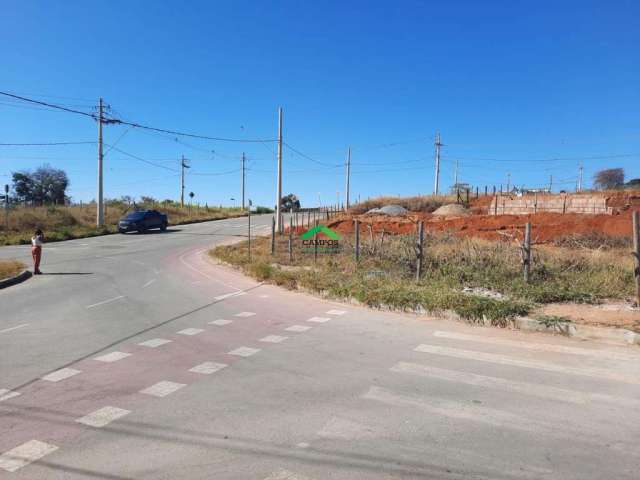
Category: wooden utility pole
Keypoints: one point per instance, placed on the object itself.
(290, 244)
(436, 182)
(580, 173)
(183, 165)
(357, 226)
(273, 235)
(636, 253)
(6, 208)
(279, 180)
(243, 179)
(348, 178)
(419, 250)
(249, 233)
(526, 252)
(99, 200)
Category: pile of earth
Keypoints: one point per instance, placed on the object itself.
(389, 210)
(451, 210)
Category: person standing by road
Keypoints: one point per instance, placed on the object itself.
(36, 250)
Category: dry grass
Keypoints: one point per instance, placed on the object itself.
(10, 268)
(426, 203)
(63, 223)
(386, 275)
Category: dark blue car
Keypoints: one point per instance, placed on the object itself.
(143, 220)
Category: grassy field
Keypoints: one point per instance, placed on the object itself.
(385, 275)
(425, 204)
(63, 223)
(10, 268)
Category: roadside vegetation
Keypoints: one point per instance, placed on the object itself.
(10, 268)
(477, 279)
(68, 222)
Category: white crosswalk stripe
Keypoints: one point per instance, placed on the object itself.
(535, 364)
(546, 347)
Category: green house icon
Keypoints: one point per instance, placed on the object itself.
(320, 229)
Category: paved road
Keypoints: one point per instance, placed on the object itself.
(136, 358)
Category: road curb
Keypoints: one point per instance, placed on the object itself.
(587, 332)
(21, 277)
(568, 329)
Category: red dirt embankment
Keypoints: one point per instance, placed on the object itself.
(545, 226)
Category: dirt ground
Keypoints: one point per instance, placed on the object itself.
(546, 226)
(618, 315)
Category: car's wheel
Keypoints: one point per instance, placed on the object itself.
(163, 227)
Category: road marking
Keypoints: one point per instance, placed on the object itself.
(297, 328)
(286, 475)
(112, 357)
(336, 312)
(303, 445)
(539, 365)
(244, 351)
(188, 265)
(25, 454)
(154, 342)
(340, 428)
(534, 389)
(318, 319)
(263, 296)
(208, 368)
(102, 417)
(60, 374)
(6, 394)
(458, 410)
(149, 283)
(104, 302)
(221, 322)
(14, 328)
(244, 314)
(608, 354)
(229, 295)
(162, 389)
(273, 339)
(190, 331)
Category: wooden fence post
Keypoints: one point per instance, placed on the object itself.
(357, 223)
(419, 250)
(249, 234)
(526, 252)
(636, 253)
(315, 242)
(273, 235)
(290, 245)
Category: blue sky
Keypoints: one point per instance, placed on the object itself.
(510, 86)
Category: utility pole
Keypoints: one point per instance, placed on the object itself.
(243, 177)
(455, 176)
(348, 178)
(6, 208)
(508, 181)
(580, 172)
(550, 182)
(436, 183)
(183, 165)
(279, 186)
(99, 200)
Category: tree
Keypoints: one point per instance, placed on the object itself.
(45, 185)
(290, 203)
(609, 178)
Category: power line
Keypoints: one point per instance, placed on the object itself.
(309, 158)
(554, 159)
(134, 124)
(44, 144)
(135, 157)
(50, 105)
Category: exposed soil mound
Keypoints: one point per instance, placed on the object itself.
(389, 210)
(451, 210)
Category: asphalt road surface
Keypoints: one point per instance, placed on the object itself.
(134, 357)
